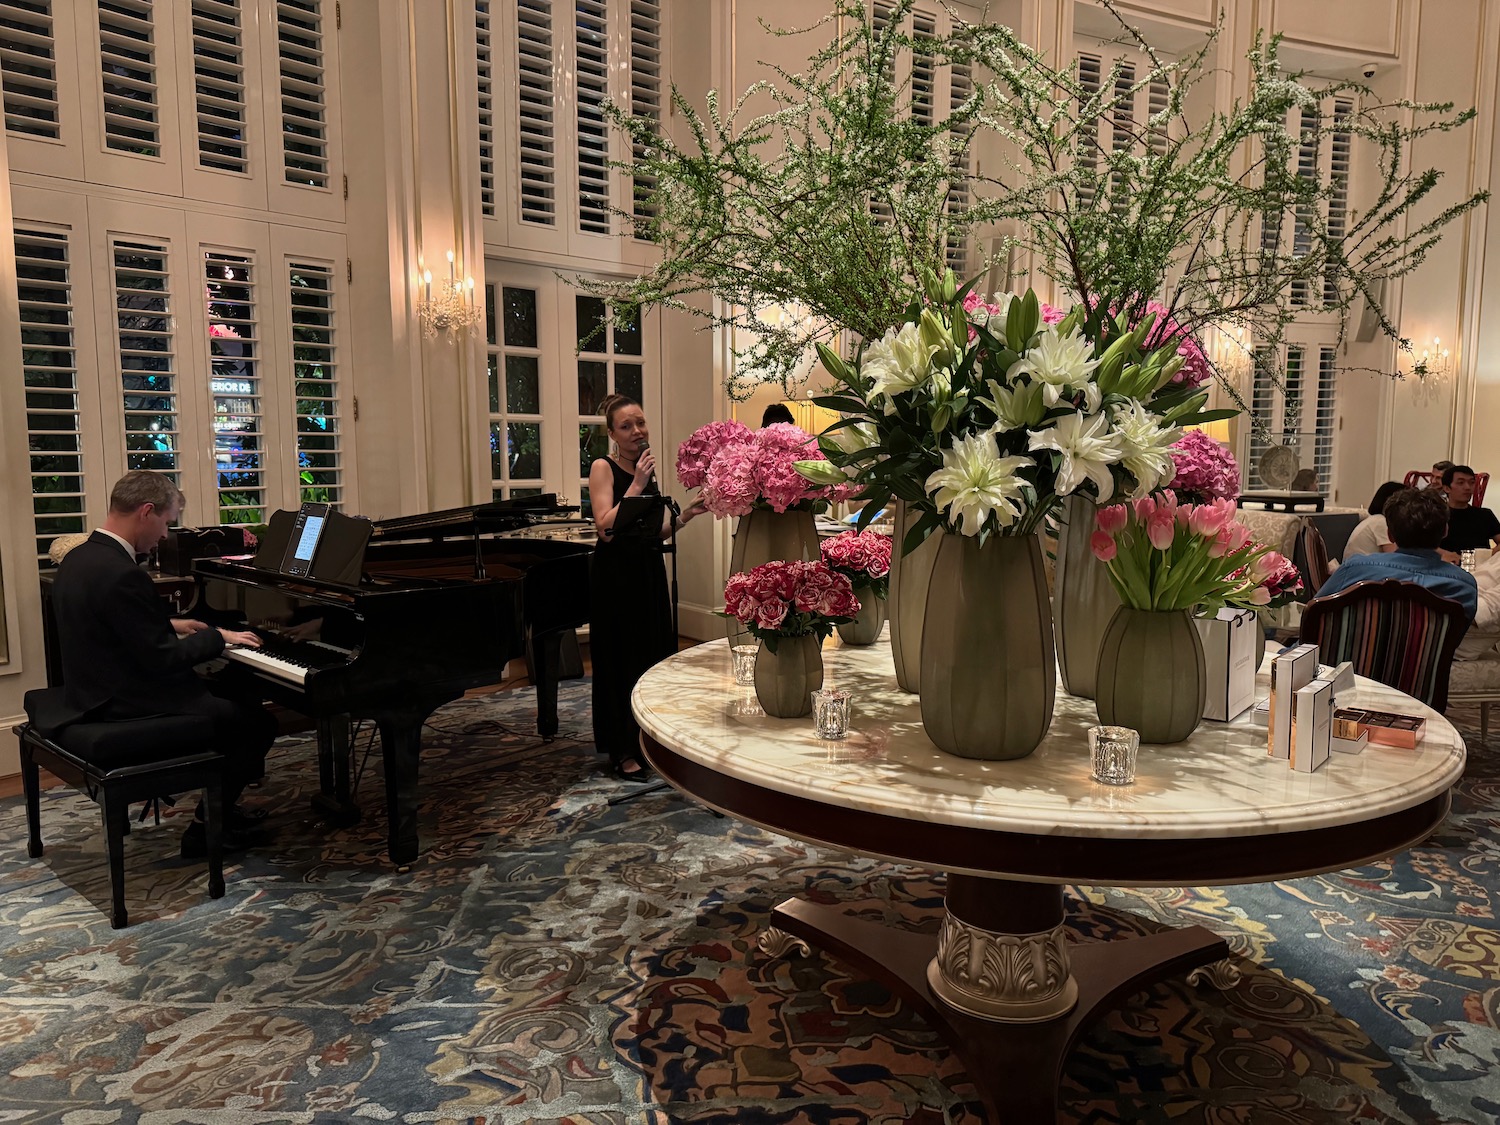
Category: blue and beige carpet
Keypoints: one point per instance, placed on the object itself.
(555, 959)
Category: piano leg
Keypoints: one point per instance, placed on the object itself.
(334, 803)
(546, 663)
(401, 747)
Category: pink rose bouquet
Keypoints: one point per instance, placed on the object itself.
(1163, 555)
(789, 599)
(863, 557)
(743, 471)
(1206, 470)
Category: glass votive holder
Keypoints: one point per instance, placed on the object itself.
(1113, 750)
(831, 713)
(744, 663)
(1466, 560)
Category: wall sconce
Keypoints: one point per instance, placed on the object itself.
(1433, 362)
(1228, 349)
(451, 308)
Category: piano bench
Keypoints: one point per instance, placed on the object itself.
(116, 763)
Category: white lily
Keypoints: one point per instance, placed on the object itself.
(1015, 407)
(976, 481)
(897, 362)
(1061, 364)
(1146, 443)
(1088, 446)
(981, 317)
(851, 439)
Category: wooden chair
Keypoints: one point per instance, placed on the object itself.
(1412, 479)
(115, 763)
(1314, 552)
(1393, 631)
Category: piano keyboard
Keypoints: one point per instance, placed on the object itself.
(290, 661)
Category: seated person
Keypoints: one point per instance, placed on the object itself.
(777, 412)
(1417, 522)
(1483, 637)
(1306, 480)
(1435, 478)
(1371, 536)
(125, 657)
(1469, 528)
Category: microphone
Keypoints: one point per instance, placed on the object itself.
(640, 452)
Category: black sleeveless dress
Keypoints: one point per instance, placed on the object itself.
(630, 626)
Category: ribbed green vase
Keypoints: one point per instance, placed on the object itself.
(907, 598)
(989, 677)
(785, 679)
(765, 536)
(866, 626)
(1083, 600)
(1151, 675)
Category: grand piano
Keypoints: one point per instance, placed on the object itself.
(444, 602)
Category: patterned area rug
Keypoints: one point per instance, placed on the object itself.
(552, 958)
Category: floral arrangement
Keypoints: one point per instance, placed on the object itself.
(1206, 470)
(790, 599)
(863, 557)
(1166, 555)
(739, 469)
(984, 414)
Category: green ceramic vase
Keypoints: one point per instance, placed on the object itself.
(1083, 600)
(785, 679)
(907, 596)
(1151, 675)
(765, 536)
(866, 626)
(989, 676)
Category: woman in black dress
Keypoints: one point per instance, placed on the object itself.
(630, 612)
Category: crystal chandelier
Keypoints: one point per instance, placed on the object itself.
(451, 308)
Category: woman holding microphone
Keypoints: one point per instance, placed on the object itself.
(630, 611)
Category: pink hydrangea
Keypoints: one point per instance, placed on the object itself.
(1206, 470)
(1195, 367)
(974, 301)
(696, 454)
(864, 557)
(758, 468)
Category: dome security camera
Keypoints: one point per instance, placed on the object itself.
(1368, 69)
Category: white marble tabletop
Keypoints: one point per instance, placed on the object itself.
(1220, 782)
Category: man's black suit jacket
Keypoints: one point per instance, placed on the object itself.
(118, 645)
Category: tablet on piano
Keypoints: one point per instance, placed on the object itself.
(302, 545)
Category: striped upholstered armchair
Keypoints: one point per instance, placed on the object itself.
(1396, 632)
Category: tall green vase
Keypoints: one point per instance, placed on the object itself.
(1083, 601)
(765, 536)
(907, 598)
(989, 676)
(866, 626)
(785, 679)
(1151, 675)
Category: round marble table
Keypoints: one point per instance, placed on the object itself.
(1000, 980)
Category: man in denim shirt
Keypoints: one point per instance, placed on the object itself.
(1416, 522)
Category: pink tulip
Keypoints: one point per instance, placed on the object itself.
(1112, 520)
(1103, 545)
(1161, 529)
(1145, 508)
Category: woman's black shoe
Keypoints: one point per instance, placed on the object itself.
(642, 771)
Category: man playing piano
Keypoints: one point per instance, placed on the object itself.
(125, 657)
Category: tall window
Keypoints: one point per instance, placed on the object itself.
(29, 58)
(219, 81)
(234, 382)
(304, 110)
(514, 335)
(609, 362)
(127, 62)
(315, 385)
(49, 368)
(147, 356)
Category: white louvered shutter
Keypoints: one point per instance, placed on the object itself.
(128, 76)
(645, 97)
(1326, 420)
(1090, 79)
(230, 282)
(1158, 98)
(1340, 146)
(1262, 410)
(319, 467)
(146, 353)
(219, 85)
(486, 100)
(304, 93)
(49, 367)
(591, 45)
(1307, 169)
(1122, 131)
(960, 89)
(28, 66)
(536, 113)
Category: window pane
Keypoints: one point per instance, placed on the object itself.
(497, 450)
(494, 384)
(520, 318)
(593, 441)
(628, 380)
(628, 333)
(525, 449)
(519, 492)
(522, 385)
(591, 314)
(593, 385)
(489, 314)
